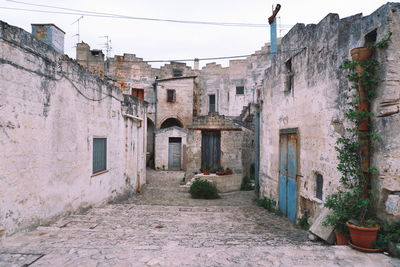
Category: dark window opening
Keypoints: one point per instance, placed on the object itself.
(211, 101)
(370, 38)
(99, 154)
(171, 96)
(170, 122)
(319, 186)
(175, 139)
(177, 72)
(289, 76)
(240, 90)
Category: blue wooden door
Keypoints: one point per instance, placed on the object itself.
(287, 175)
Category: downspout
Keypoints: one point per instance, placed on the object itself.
(360, 54)
(272, 23)
(155, 85)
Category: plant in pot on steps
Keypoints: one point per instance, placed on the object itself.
(352, 204)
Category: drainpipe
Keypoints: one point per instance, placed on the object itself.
(155, 84)
(272, 23)
(360, 54)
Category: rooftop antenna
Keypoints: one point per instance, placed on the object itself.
(77, 21)
(107, 45)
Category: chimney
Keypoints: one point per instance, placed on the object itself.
(196, 64)
(50, 34)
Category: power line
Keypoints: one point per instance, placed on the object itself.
(204, 59)
(111, 15)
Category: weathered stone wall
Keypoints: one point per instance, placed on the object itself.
(50, 111)
(93, 60)
(162, 146)
(233, 136)
(314, 106)
(182, 108)
(132, 72)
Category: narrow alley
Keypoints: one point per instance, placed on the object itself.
(165, 227)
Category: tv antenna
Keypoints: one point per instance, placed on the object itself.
(107, 45)
(77, 21)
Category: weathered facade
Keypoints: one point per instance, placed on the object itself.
(302, 114)
(69, 139)
(178, 95)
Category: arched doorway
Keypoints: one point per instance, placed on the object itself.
(170, 122)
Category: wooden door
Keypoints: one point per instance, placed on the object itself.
(174, 153)
(211, 149)
(287, 175)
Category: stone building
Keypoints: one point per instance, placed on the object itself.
(180, 97)
(69, 139)
(302, 114)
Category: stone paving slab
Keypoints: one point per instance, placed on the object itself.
(147, 231)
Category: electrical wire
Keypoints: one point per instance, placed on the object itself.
(204, 59)
(85, 96)
(111, 15)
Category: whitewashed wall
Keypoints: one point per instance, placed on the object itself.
(46, 134)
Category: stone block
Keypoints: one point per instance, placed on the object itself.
(324, 232)
(392, 204)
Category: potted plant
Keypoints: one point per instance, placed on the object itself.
(206, 170)
(228, 171)
(220, 171)
(352, 204)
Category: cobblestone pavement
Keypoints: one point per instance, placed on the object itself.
(165, 227)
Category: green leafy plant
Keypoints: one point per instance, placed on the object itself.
(354, 199)
(203, 189)
(303, 222)
(246, 184)
(388, 233)
(268, 204)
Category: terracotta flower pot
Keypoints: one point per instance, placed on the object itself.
(361, 53)
(228, 172)
(220, 173)
(206, 172)
(362, 236)
(341, 239)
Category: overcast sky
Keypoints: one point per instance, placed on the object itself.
(162, 40)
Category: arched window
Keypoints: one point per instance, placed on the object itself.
(319, 186)
(170, 122)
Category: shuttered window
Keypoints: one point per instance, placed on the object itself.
(99, 154)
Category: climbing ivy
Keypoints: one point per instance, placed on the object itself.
(350, 201)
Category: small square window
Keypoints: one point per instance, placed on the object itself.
(240, 90)
(177, 72)
(99, 154)
(171, 95)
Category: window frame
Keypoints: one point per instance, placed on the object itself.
(319, 186)
(96, 169)
(173, 91)
(241, 92)
(212, 105)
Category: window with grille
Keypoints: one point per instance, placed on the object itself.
(99, 154)
(211, 101)
(319, 186)
(240, 90)
(171, 96)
